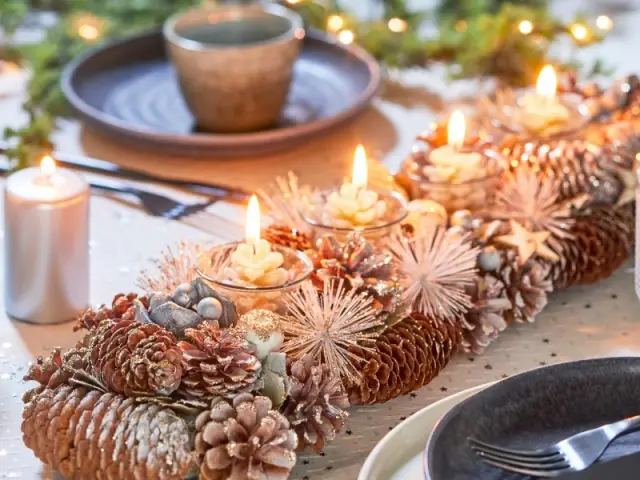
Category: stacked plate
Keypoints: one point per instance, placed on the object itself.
(527, 411)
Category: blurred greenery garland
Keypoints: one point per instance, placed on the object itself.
(508, 41)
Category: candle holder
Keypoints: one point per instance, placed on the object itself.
(315, 214)
(214, 267)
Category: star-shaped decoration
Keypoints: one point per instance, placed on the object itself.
(628, 179)
(528, 243)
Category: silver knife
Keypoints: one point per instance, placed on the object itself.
(622, 468)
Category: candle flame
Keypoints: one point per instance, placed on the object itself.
(359, 173)
(252, 227)
(547, 82)
(456, 129)
(47, 166)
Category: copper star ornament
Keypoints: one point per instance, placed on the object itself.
(628, 179)
(528, 243)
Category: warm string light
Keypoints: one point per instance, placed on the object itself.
(579, 31)
(335, 23)
(346, 37)
(525, 27)
(604, 23)
(397, 25)
(88, 32)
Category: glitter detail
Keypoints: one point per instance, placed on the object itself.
(263, 323)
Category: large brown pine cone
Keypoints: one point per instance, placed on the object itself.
(316, 405)
(287, 237)
(122, 308)
(58, 367)
(216, 362)
(405, 357)
(87, 434)
(136, 359)
(244, 440)
(485, 320)
(600, 244)
(362, 266)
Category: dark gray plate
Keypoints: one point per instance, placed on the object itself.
(535, 409)
(129, 89)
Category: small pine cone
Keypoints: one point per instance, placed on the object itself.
(136, 359)
(526, 286)
(599, 245)
(122, 308)
(58, 367)
(287, 237)
(316, 405)
(482, 324)
(404, 358)
(244, 440)
(360, 264)
(104, 436)
(216, 363)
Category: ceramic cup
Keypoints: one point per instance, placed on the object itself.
(235, 63)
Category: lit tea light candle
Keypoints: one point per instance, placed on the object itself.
(46, 244)
(355, 205)
(451, 163)
(542, 110)
(253, 262)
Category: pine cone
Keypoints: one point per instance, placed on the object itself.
(287, 237)
(216, 362)
(88, 434)
(485, 320)
(58, 367)
(360, 264)
(136, 359)
(316, 405)
(526, 286)
(404, 358)
(245, 440)
(600, 244)
(122, 308)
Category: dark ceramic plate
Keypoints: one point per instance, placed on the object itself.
(535, 409)
(129, 89)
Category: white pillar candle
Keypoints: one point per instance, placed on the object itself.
(46, 226)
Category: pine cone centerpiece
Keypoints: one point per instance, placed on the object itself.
(87, 434)
(360, 264)
(316, 405)
(244, 440)
(136, 359)
(216, 363)
(122, 308)
(287, 237)
(57, 368)
(404, 358)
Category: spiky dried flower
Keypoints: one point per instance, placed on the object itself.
(326, 325)
(434, 266)
(285, 201)
(173, 267)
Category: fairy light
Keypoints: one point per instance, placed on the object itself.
(525, 27)
(397, 25)
(604, 23)
(335, 23)
(579, 31)
(346, 37)
(88, 32)
(293, 2)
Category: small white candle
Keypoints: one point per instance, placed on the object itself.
(355, 205)
(253, 262)
(542, 110)
(46, 244)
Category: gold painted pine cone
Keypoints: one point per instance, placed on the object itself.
(216, 363)
(57, 368)
(91, 435)
(287, 237)
(121, 308)
(244, 440)
(316, 405)
(136, 359)
(405, 357)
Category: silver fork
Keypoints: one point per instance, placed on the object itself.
(573, 454)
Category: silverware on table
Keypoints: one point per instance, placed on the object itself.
(573, 454)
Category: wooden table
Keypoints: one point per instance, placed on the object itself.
(591, 321)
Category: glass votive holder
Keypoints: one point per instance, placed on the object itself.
(316, 215)
(214, 266)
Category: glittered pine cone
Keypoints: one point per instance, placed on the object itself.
(216, 363)
(57, 368)
(287, 237)
(404, 358)
(484, 321)
(599, 244)
(244, 440)
(88, 434)
(122, 308)
(359, 264)
(316, 405)
(136, 359)
(526, 286)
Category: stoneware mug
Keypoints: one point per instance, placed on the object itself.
(235, 63)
